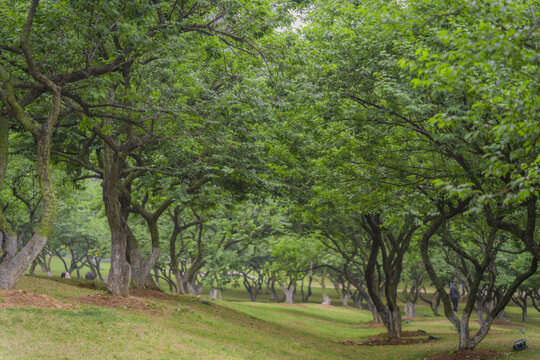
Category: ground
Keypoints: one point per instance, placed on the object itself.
(51, 319)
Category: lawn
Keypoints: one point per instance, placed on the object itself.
(181, 327)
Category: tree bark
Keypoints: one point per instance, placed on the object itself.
(120, 271)
(15, 264)
(181, 281)
(142, 270)
(326, 299)
(289, 292)
(215, 294)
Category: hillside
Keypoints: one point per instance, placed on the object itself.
(71, 322)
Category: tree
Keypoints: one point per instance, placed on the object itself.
(16, 262)
(448, 141)
(80, 229)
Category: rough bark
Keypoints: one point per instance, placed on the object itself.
(120, 271)
(181, 282)
(15, 264)
(142, 269)
(392, 249)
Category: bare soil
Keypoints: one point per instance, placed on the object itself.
(407, 338)
(505, 323)
(151, 294)
(467, 355)
(373, 325)
(20, 298)
(118, 302)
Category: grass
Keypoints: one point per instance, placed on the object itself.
(226, 329)
(57, 268)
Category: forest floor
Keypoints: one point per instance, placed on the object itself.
(49, 319)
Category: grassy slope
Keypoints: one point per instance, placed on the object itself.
(226, 330)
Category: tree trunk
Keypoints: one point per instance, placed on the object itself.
(15, 264)
(273, 294)
(181, 281)
(156, 276)
(479, 314)
(215, 294)
(193, 288)
(393, 324)
(98, 270)
(374, 312)
(141, 270)
(463, 334)
(120, 271)
(32, 271)
(410, 309)
(326, 298)
(140, 275)
(289, 293)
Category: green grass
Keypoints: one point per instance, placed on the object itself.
(57, 268)
(235, 329)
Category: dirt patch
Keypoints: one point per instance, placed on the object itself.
(467, 355)
(294, 305)
(373, 325)
(325, 306)
(150, 294)
(19, 298)
(118, 302)
(505, 323)
(407, 338)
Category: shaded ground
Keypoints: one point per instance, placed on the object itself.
(407, 338)
(118, 302)
(151, 294)
(467, 355)
(505, 323)
(20, 298)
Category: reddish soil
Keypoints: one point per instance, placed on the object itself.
(467, 355)
(118, 302)
(407, 338)
(150, 294)
(373, 325)
(505, 323)
(19, 298)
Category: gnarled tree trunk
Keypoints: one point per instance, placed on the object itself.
(14, 263)
(120, 271)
